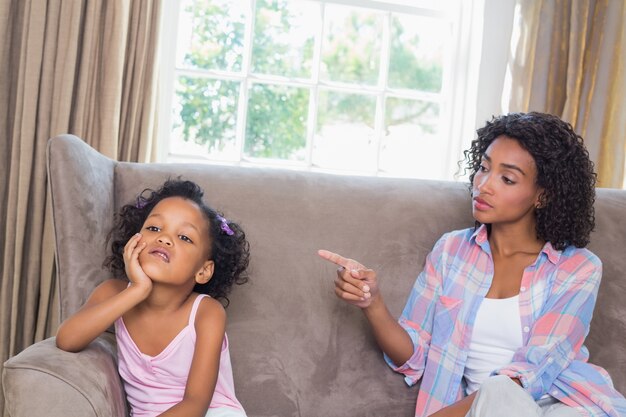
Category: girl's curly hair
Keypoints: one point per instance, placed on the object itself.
(229, 251)
(564, 170)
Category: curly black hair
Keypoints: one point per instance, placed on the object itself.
(230, 252)
(565, 215)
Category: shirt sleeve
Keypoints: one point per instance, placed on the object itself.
(418, 313)
(557, 336)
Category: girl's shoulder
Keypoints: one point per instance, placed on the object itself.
(209, 309)
(210, 320)
(108, 289)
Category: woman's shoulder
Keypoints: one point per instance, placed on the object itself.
(466, 233)
(580, 256)
(454, 243)
(573, 269)
(459, 236)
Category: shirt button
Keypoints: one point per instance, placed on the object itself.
(550, 360)
(522, 289)
(555, 393)
(526, 329)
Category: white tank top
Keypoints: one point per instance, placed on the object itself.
(496, 336)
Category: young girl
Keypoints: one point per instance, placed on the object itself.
(495, 323)
(179, 257)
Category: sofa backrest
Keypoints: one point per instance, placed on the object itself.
(296, 349)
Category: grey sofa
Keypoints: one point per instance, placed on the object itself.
(296, 349)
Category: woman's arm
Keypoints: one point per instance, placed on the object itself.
(210, 329)
(458, 409)
(407, 339)
(390, 336)
(358, 285)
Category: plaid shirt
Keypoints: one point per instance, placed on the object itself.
(557, 296)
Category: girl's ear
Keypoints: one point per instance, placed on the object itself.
(205, 273)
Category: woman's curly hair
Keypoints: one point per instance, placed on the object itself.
(565, 215)
(230, 252)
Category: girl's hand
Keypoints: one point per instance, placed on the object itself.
(355, 284)
(134, 271)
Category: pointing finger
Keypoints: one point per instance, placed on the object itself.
(333, 257)
(339, 260)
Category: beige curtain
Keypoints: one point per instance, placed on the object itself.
(83, 67)
(568, 58)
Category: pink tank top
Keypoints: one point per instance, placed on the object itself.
(153, 384)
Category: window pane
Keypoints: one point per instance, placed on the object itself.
(205, 113)
(276, 122)
(284, 36)
(411, 145)
(293, 58)
(352, 45)
(344, 138)
(417, 49)
(211, 34)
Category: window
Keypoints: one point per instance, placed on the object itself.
(362, 87)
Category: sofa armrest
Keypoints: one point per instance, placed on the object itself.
(43, 380)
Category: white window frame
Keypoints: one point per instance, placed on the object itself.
(459, 89)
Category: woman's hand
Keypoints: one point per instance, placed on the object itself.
(355, 284)
(134, 271)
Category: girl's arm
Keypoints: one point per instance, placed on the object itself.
(210, 329)
(109, 301)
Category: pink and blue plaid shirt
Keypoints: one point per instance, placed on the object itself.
(557, 296)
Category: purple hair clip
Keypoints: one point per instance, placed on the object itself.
(224, 226)
(141, 202)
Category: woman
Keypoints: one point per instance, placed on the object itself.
(495, 323)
